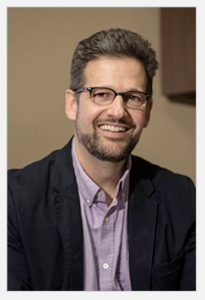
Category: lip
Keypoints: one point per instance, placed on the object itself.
(114, 134)
(114, 124)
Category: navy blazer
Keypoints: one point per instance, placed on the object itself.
(45, 237)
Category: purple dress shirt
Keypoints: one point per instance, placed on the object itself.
(106, 255)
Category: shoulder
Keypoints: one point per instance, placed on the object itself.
(166, 183)
(33, 172)
(156, 173)
(41, 174)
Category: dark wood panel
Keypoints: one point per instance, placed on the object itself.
(178, 40)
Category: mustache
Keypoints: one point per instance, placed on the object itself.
(114, 121)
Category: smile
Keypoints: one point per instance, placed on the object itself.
(113, 128)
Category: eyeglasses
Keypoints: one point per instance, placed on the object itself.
(105, 96)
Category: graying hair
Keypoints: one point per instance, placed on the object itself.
(112, 43)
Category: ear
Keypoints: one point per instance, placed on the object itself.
(70, 105)
(148, 112)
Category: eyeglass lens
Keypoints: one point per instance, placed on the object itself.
(105, 96)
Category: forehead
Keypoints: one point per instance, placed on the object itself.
(115, 72)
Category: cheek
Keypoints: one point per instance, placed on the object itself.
(139, 118)
(86, 115)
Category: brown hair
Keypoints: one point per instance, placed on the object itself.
(112, 43)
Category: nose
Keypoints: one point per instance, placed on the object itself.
(117, 108)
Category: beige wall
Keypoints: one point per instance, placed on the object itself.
(41, 42)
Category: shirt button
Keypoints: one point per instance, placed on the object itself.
(123, 195)
(105, 266)
(88, 201)
(99, 194)
(107, 219)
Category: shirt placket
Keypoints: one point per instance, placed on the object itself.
(107, 249)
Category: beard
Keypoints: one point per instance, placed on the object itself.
(115, 150)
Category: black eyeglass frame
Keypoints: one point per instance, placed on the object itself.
(90, 89)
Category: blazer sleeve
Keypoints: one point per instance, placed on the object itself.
(18, 276)
(188, 278)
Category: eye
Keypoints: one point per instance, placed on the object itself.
(138, 98)
(101, 95)
(135, 98)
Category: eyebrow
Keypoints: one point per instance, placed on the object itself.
(135, 89)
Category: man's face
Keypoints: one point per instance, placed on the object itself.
(97, 127)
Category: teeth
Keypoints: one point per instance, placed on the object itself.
(112, 128)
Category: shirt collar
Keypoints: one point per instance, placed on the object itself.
(88, 188)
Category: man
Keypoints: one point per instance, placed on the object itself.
(91, 216)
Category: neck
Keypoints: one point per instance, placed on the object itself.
(104, 173)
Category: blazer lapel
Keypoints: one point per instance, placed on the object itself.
(142, 213)
(68, 216)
